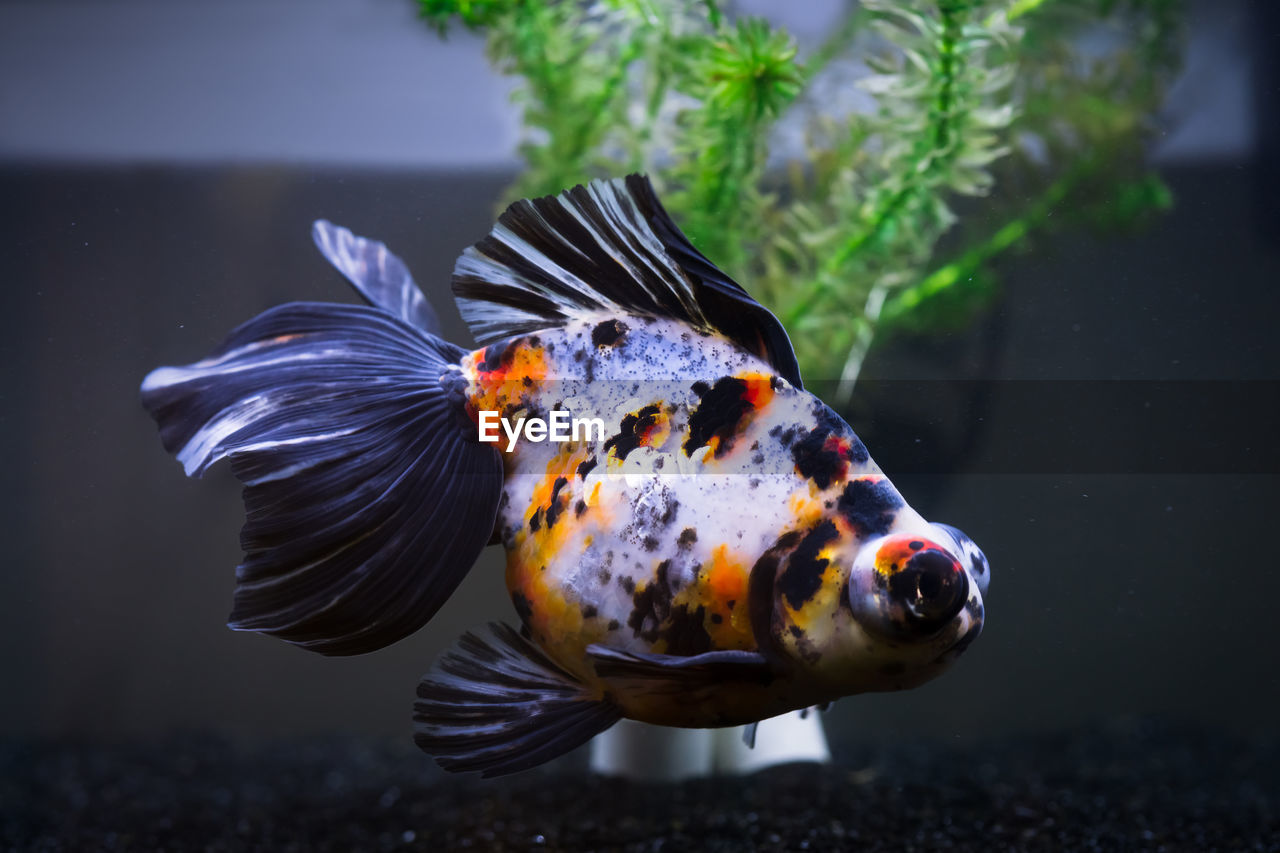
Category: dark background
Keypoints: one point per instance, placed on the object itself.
(1133, 566)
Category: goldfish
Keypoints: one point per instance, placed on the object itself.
(715, 546)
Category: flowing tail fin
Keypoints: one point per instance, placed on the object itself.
(368, 496)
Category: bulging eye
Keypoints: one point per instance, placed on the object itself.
(910, 589)
(931, 588)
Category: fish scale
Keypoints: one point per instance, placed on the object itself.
(725, 551)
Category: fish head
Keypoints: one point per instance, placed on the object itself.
(916, 601)
(899, 607)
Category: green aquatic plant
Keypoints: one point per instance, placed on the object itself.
(833, 182)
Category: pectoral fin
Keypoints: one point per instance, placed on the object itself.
(679, 674)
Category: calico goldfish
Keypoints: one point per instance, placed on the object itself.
(714, 548)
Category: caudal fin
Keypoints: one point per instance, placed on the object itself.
(496, 703)
(367, 496)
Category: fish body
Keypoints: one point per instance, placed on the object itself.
(722, 550)
(647, 542)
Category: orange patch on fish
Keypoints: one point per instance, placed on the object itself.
(522, 367)
(726, 583)
(805, 507)
(894, 554)
(759, 391)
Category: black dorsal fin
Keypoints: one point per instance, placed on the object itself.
(605, 248)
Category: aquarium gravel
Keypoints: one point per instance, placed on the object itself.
(1130, 785)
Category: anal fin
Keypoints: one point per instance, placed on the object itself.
(495, 703)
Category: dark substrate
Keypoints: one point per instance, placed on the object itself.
(1133, 785)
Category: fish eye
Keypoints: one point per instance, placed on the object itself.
(931, 588)
(909, 587)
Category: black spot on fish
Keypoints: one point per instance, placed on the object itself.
(717, 618)
(589, 611)
(579, 508)
(614, 624)
(718, 414)
(585, 466)
(869, 506)
(815, 460)
(526, 381)
(608, 333)
(824, 454)
(686, 632)
(802, 578)
(730, 603)
(979, 565)
(499, 355)
(632, 431)
(536, 521)
(786, 437)
(687, 537)
(700, 388)
(651, 606)
(915, 544)
(523, 608)
(627, 584)
(974, 608)
(650, 543)
(556, 506)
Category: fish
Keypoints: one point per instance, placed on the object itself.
(715, 547)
